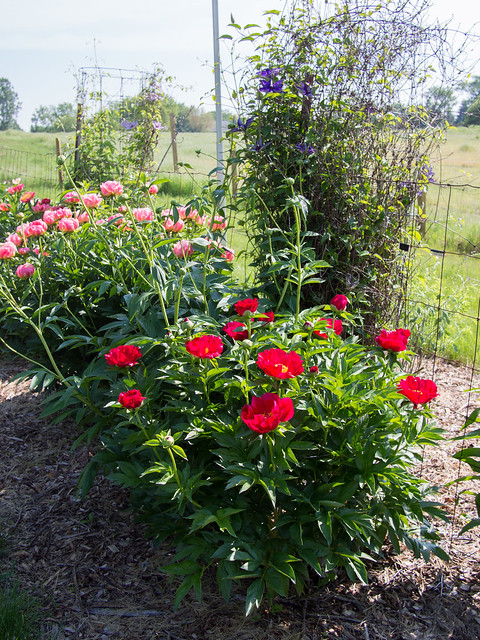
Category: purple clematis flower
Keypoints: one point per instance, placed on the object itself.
(268, 73)
(428, 173)
(267, 86)
(243, 126)
(304, 89)
(304, 148)
(128, 125)
(260, 145)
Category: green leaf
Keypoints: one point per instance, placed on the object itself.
(188, 582)
(254, 596)
(276, 582)
(184, 568)
(179, 451)
(470, 525)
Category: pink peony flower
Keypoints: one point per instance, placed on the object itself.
(16, 188)
(92, 200)
(201, 220)
(15, 238)
(25, 270)
(111, 188)
(116, 219)
(153, 189)
(50, 217)
(27, 196)
(219, 223)
(41, 205)
(67, 225)
(72, 197)
(192, 214)
(143, 214)
(183, 249)
(62, 212)
(83, 217)
(23, 250)
(4, 206)
(37, 228)
(22, 229)
(228, 255)
(7, 250)
(172, 226)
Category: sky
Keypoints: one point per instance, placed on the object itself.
(44, 44)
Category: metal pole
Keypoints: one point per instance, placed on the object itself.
(218, 92)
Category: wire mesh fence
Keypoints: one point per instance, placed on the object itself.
(442, 293)
(38, 170)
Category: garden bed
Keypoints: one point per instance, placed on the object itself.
(98, 577)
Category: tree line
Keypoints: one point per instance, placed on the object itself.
(63, 116)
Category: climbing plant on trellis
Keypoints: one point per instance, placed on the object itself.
(118, 121)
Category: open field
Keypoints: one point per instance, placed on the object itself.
(446, 273)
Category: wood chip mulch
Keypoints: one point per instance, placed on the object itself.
(98, 577)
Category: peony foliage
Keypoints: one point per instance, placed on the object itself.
(272, 449)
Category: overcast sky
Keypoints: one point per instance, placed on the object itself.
(43, 43)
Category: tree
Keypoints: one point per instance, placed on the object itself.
(472, 115)
(54, 119)
(440, 103)
(468, 112)
(9, 105)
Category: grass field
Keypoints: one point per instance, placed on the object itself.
(446, 273)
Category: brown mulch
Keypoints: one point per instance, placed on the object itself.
(98, 577)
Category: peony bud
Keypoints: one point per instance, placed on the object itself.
(168, 442)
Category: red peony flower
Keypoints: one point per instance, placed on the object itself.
(126, 355)
(339, 301)
(314, 370)
(249, 304)
(265, 413)
(418, 390)
(205, 346)
(280, 364)
(267, 317)
(336, 325)
(236, 330)
(393, 340)
(131, 399)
